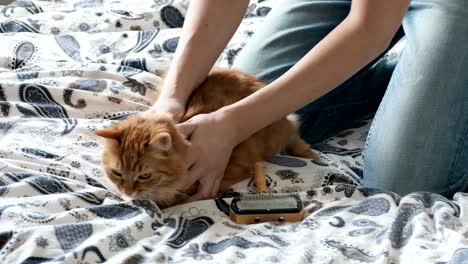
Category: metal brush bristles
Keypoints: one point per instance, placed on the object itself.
(264, 206)
(267, 201)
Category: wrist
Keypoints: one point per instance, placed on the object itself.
(237, 130)
(167, 104)
(170, 98)
(171, 93)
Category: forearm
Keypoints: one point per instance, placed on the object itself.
(335, 59)
(208, 27)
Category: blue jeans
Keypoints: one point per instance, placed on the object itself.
(418, 140)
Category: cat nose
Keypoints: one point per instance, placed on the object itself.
(129, 192)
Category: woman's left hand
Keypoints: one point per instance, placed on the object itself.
(212, 138)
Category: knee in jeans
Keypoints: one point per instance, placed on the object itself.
(452, 5)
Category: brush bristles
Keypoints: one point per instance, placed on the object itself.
(267, 201)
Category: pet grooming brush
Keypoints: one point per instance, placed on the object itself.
(265, 207)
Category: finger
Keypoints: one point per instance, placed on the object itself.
(196, 197)
(192, 176)
(146, 114)
(215, 188)
(191, 157)
(187, 128)
(207, 189)
(177, 117)
(202, 194)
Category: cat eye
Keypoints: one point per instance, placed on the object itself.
(144, 176)
(116, 173)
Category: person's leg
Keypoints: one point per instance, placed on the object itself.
(290, 30)
(419, 138)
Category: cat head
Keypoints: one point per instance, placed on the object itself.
(144, 157)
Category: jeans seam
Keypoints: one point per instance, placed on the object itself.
(464, 187)
(344, 104)
(458, 156)
(462, 142)
(369, 134)
(326, 110)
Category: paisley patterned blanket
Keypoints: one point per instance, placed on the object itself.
(68, 67)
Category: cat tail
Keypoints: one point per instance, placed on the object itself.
(297, 146)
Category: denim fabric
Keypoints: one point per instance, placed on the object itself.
(418, 139)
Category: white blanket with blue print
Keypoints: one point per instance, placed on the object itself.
(68, 67)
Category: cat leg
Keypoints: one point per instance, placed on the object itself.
(296, 146)
(234, 173)
(299, 148)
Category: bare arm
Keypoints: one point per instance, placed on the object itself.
(360, 38)
(208, 27)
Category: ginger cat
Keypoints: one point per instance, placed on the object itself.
(143, 156)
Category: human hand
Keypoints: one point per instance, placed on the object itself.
(170, 105)
(212, 141)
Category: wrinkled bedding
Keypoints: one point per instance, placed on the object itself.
(70, 67)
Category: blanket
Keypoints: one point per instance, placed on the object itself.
(69, 67)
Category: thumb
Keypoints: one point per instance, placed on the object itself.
(177, 116)
(207, 189)
(187, 128)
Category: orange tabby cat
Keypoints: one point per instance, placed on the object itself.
(144, 156)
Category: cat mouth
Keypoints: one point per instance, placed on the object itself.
(131, 196)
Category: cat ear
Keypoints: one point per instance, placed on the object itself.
(161, 142)
(109, 133)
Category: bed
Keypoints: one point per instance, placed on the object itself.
(69, 67)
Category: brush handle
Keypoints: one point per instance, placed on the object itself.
(260, 179)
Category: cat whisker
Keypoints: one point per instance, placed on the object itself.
(129, 149)
(182, 194)
(172, 192)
